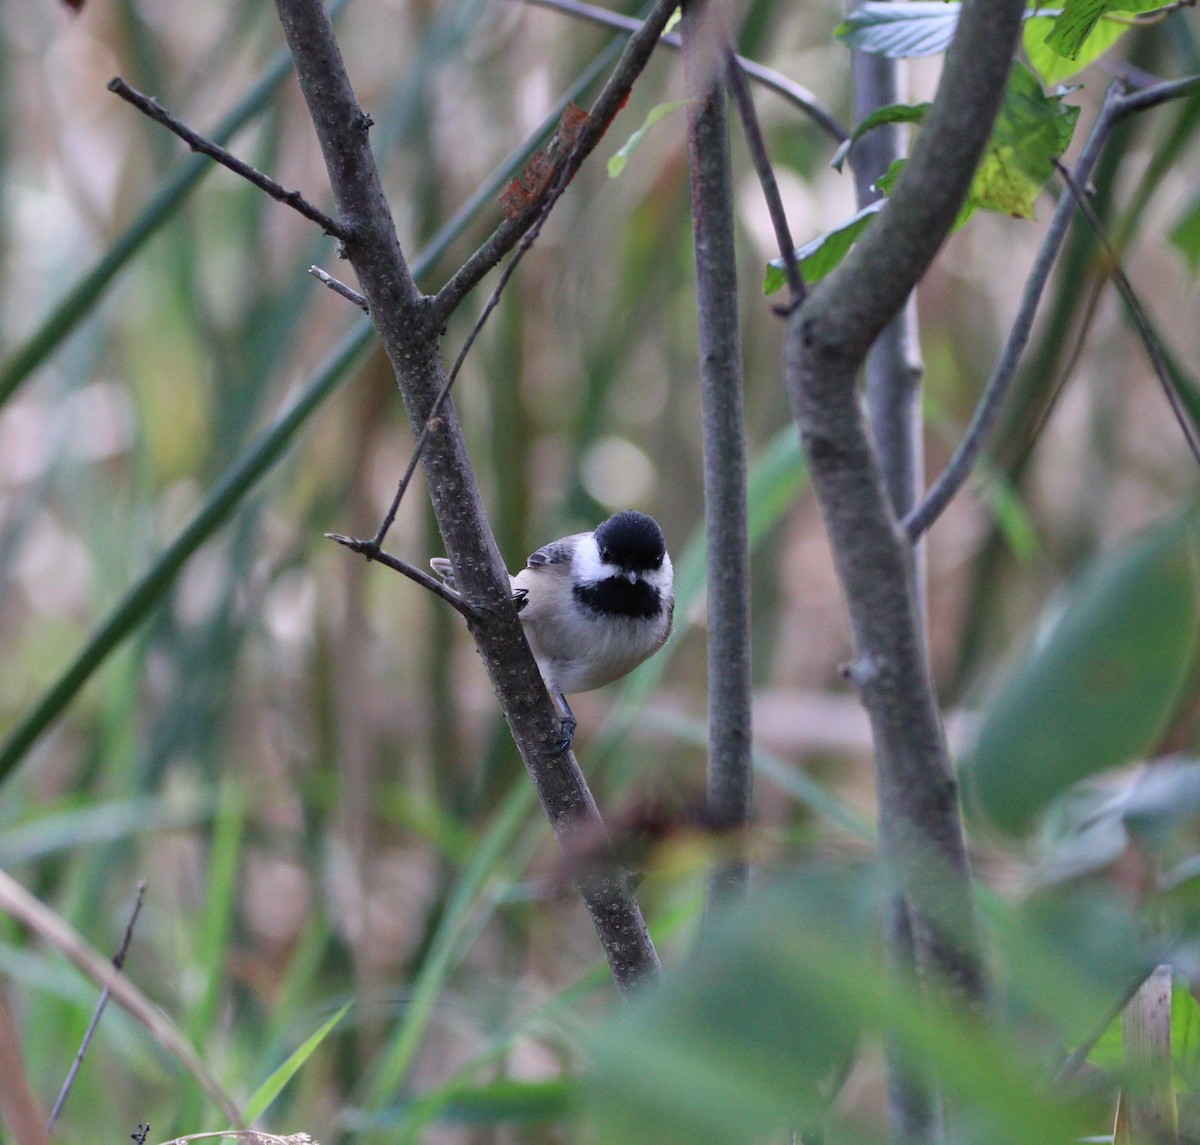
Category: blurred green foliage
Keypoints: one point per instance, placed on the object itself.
(299, 753)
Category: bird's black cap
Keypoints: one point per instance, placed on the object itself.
(631, 540)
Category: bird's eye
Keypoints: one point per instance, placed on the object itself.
(606, 555)
(658, 562)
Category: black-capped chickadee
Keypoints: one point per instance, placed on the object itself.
(594, 605)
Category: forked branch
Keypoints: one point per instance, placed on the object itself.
(409, 327)
(828, 338)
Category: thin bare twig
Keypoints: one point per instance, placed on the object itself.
(196, 142)
(432, 423)
(752, 131)
(781, 85)
(1140, 321)
(339, 287)
(1117, 105)
(1155, 96)
(590, 130)
(118, 962)
(372, 551)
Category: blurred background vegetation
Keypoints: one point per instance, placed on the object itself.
(298, 751)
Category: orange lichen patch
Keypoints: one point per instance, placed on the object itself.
(526, 190)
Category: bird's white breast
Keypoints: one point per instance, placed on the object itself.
(579, 650)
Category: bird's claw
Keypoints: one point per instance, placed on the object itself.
(566, 736)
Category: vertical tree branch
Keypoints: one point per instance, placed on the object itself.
(828, 338)
(893, 392)
(410, 335)
(706, 48)
(894, 369)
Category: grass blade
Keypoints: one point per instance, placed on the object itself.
(273, 1086)
(238, 480)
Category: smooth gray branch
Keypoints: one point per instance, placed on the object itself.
(726, 527)
(577, 137)
(828, 338)
(893, 374)
(409, 329)
(796, 94)
(1118, 103)
(197, 142)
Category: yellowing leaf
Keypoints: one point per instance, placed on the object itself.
(1032, 130)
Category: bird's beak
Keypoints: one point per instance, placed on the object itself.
(631, 576)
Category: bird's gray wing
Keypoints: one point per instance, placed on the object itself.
(555, 553)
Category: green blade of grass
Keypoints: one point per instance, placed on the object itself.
(446, 949)
(211, 941)
(238, 480)
(273, 1086)
(82, 822)
(244, 473)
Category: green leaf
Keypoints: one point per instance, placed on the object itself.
(1185, 1036)
(80, 822)
(1055, 69)
(892, 113)
(818, 257)
(756, 1031)
(887, 184)
(1012, 518)
(1185, 234)
(1079, 17)
(510, 1101)
(900, 31)
(617, 163)
(142, 598)
(1032, 130)
(1164, 798)
(1098, 688)
(273, 1086)
(211, 941)
(1066, 952)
